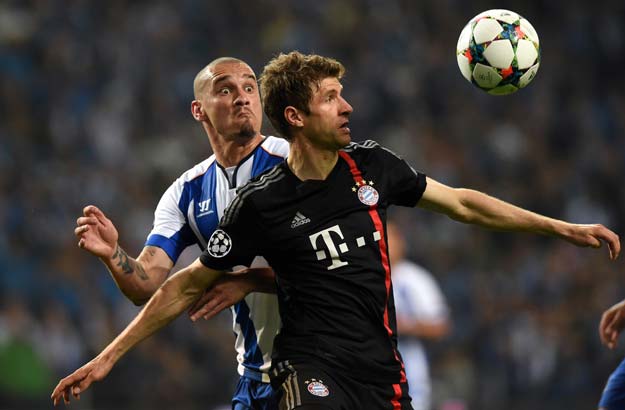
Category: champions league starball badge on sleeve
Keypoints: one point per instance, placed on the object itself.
(219, 244)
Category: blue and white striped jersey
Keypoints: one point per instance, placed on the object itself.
(188, 213)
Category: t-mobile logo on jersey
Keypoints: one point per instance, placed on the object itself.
(331, 247)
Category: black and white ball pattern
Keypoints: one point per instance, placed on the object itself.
(219, 244)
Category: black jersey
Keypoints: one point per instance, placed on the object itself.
(326, 241)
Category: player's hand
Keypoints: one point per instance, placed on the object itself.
(80, 380)
(594, 236)
(225, 292)
(612, 323)
(96, 233)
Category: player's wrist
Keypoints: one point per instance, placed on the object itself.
(109, 355)
(245, 282)
(112, 255)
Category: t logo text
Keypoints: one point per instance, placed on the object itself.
(330, 246)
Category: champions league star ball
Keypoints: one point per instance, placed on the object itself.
(498, 51)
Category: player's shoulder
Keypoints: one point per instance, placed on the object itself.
(184, 181)
(196, 171)
(267, 179)
(278, 147)
(368, 149)
(362, 146)
(257, 191)
(181, 189)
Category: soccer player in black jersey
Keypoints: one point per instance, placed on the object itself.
(319, 220)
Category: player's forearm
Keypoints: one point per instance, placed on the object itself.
(483, 210)
(136, 281)
(423, 329)
(171, 299)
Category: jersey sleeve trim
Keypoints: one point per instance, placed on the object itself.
(421, 185)
(165, 244)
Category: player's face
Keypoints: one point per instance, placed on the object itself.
(231, 100)
(327, 125)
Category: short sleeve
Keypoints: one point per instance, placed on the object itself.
(170, 230)
(236, 241)
(405, 186)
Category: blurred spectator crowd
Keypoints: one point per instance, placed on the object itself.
(94, 109)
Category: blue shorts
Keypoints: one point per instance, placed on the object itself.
(251, 394)
(613, 396)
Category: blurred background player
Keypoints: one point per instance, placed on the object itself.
(422, 314)
(227, 104)
(610, 327)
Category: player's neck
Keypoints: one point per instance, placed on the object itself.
(309, 162)
(230, 151)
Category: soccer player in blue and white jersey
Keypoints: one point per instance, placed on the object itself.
(611, 325)
(227, 104)
(422, 314)
(319, 219)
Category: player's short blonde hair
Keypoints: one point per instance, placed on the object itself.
(288, 80)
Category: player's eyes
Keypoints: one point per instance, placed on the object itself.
(224, 91)
(249, 89)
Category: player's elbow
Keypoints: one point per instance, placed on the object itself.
(463, 209)
(139, 297)
(461, 215)
(139, 301)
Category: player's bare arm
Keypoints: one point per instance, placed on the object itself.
(137, 278)
(230, 289)
(423, 329)
(612, 324)
(473, 207)
(171, 299)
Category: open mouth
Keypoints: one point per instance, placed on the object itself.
(345, 126)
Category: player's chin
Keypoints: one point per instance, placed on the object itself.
(247, 130)
(344, 137)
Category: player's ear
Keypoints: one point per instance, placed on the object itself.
(293, 116)
(197, 111)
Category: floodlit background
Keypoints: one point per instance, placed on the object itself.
(94, 109)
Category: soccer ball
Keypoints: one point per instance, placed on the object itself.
(498, 51)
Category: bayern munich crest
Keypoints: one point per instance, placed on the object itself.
(317, 388)
(219, 244)
(367, 194)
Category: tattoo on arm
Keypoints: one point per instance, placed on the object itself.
(128, 265)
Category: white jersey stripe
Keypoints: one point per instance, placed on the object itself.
(193, 224)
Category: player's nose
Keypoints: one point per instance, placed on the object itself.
(346, 108)
(241, 98)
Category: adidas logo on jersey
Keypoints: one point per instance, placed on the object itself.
(299, 220)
